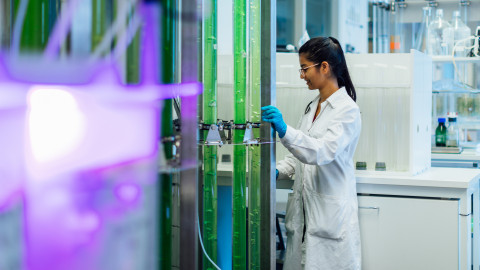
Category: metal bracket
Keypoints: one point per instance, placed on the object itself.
(248, 138)
(213, 136)
(465, 215)
(176, 140)
(222, 132)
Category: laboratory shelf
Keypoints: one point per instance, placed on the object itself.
(442, 59)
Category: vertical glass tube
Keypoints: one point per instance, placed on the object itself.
(397, 39)
(99, 21)
(210, 117)
(380, 11)
(5, 24)
(133, 55)
(35, 29)
(254, 151)
(375, 26)
(168, 26)
(386, 27)
(239, 151)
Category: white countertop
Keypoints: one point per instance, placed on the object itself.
(434, 177)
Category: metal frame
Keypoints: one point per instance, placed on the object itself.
(189, 133)
(268, 95)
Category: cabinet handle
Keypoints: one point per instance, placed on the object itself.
(369, 207)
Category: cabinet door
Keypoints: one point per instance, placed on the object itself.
(408, 233)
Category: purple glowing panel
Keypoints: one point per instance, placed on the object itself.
(103, 218)
(92, 165)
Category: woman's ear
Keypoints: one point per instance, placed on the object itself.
(325, 67)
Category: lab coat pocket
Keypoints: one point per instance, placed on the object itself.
(292, 217)
(325, 216)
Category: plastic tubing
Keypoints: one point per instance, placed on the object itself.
(98, 22)
(239, 151)
(254, 206)
(210, 117)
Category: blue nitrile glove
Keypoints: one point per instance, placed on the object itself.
(273, 115)
(276, 177)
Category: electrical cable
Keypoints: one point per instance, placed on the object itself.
(201, 243)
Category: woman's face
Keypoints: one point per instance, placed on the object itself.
(313, 75)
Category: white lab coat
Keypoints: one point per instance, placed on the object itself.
(324, 191)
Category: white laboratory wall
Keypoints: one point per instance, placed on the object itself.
(395, 100)
(349, 25)
(225, 27)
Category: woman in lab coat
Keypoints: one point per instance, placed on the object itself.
(322, 212)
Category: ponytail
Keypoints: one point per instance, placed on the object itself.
(321, 49)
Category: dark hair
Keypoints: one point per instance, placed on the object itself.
(328, 49)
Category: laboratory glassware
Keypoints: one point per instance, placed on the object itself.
(420, 39)
(461, 32)
(441, 133)
(438, 32)
(452, 131)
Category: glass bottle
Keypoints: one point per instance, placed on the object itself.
(460, 31)
(452, 132)
(441, 133)
(421, 37)
(437, 43)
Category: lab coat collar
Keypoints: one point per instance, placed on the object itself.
(336, 97)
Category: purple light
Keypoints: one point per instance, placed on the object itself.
(83, 147)
(128, 192)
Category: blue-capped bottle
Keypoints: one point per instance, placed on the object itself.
(441, 133)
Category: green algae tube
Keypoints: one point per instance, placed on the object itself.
(210, 117)
(239, 151)
(254, 207)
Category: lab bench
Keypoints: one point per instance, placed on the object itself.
(469, 158)
(420, 222)
(427, 221)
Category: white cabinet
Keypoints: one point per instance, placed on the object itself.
(409, 233)
(420, 222)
